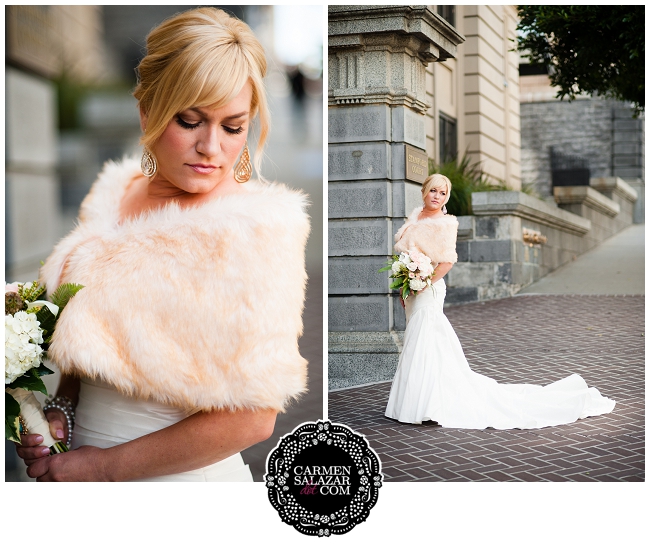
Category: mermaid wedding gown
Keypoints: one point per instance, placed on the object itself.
(106, 418)
(434, 382)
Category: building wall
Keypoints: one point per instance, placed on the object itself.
(79, 32)
(602, 131)
(480, 89)
(43, 43)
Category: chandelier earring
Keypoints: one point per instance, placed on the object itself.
(148, 164)
(444, 209)
(244, 167)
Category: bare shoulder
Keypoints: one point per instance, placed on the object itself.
(134, 199)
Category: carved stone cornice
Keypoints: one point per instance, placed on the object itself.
(378, 54)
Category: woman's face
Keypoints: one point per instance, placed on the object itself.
(435, 198)
(199, 147)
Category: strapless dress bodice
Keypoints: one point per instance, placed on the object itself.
(106, 418)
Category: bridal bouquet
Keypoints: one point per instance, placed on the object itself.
(411, 270)
(29, 325)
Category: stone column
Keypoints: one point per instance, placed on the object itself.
(377, 57)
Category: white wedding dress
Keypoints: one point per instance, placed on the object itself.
(106, 418)
(434, 382)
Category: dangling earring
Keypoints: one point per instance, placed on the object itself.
(244, 168)
(444, 209)
(148, 164)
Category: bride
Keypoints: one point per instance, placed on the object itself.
(181, 348)
(433, 379)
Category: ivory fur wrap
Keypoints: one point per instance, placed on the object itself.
(435, 237)
(197, 308)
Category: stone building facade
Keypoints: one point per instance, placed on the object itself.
(42, 43)
(602, 132)
(439, 79)
(443, 80)
(478, 93)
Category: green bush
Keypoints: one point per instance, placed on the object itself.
(465, 178)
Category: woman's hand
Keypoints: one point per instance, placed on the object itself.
(86, 464)
(30, 449)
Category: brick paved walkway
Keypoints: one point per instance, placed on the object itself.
(525, 339)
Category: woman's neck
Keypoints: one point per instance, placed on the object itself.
(425, 213)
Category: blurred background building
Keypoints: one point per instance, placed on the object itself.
(597, 135)
(69, 109)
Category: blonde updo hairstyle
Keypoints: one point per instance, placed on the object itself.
(436, 181)
(198, 58)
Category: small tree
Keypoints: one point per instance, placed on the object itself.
(588, 49)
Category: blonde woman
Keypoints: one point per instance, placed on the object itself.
(433, 381)
(182, 346)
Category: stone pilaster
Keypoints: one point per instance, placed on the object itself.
(377, 56)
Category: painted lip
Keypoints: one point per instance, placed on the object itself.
(202, 168)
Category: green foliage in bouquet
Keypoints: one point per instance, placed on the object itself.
(401, 278)
(64, 293)
(31, 379)
(12, 423)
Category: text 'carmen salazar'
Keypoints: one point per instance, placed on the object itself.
(330, 480)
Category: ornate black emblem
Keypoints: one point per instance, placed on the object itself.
(323, 478)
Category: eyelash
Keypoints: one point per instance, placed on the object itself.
(186, 125)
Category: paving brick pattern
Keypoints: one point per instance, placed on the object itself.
(525, 339)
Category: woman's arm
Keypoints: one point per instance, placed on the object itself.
(441, 271)
(199, 440)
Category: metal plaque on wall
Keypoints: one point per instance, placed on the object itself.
(416, 163)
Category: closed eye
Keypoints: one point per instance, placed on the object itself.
(233, 131)
(186, 125)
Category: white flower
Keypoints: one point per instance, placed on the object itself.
(412, 266)
(404, 258)
(417, 284)
(52, 307)
(426, 270)
(22, 352)
(397, 266)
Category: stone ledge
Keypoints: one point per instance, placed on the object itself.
(529, 208)
(586, 195)
(365, 342)
(352, 369)
(465, 227)
(614, 185)
(347, 22)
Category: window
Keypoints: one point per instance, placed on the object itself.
(448, 139)
(448, 13)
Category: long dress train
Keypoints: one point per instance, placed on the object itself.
(434, 382)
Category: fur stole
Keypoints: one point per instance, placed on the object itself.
(198, 308)
(435, 237)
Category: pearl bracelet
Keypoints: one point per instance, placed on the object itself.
(65, 405)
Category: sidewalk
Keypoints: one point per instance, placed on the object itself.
(579, 321)
(617, 266)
